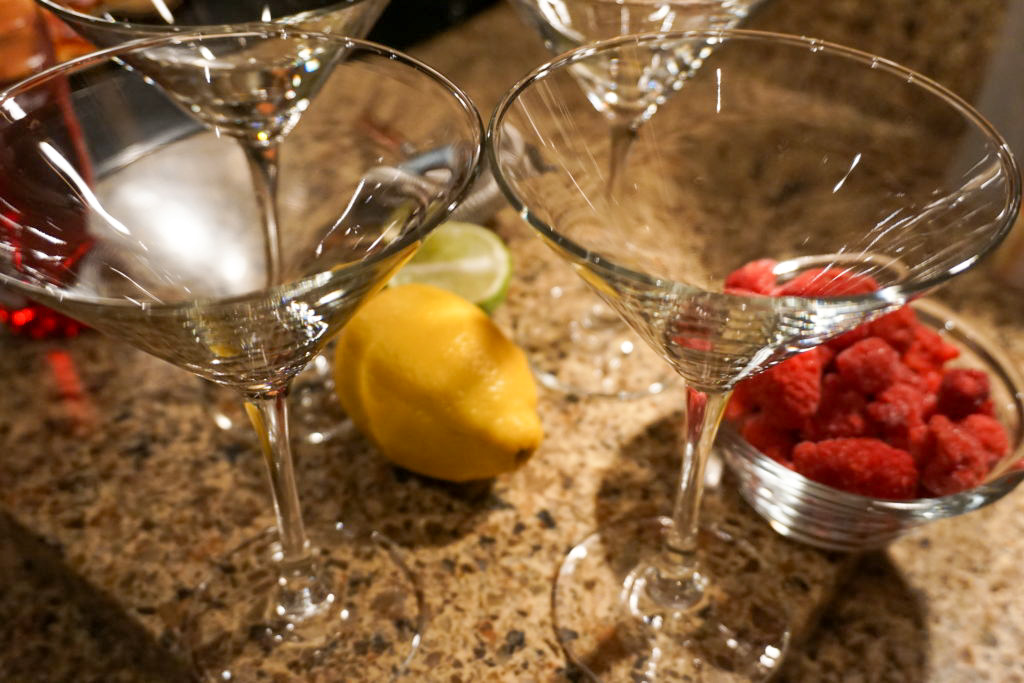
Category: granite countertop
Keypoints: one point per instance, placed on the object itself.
(117, 487)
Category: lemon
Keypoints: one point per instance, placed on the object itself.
(464, 258)
(436, 386)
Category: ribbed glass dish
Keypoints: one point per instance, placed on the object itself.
(828, 518)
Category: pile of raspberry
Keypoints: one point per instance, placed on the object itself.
(873, 411)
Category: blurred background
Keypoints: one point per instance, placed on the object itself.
(406, 22)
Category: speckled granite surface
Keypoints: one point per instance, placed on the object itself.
(117, 488)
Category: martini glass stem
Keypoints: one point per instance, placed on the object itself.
(623, 133)
(677, 580)
(263, 166)
(300, 591)
(703, 415)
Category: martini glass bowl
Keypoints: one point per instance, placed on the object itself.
(623, 366)
(839, 163)
(107, 23)
(121, 209)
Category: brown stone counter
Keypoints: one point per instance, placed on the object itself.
(116, 488)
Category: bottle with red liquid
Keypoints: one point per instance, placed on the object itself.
(25, 48)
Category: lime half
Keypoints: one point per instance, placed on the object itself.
(463, 258)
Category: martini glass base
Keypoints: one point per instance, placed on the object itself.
(370, 627)
(614, 361)
(737, 631)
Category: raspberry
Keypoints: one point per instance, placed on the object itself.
(869, 467)
(953, 459)
(877, 397)
(692, 343)
(741, 403)
(756, 277)
(930, 380)
(918, 442)
(990, 434)
(928, 352)
(850, 338)
(789, 392)
(962, 392)
(921, 382)
(897, 328)
(841, 412)
(869, 366)
(827, 354)
(766, 437)
(898, 411)
(825, 282)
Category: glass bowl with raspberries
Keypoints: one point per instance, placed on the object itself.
(906, 419)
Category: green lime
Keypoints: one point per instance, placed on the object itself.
(469, 260)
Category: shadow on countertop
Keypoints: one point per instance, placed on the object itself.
(884, 626)
(349, 480)
(55, 626)
(866, 599)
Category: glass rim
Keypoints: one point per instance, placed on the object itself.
(70, 14)
(307, 281)
(884, 296)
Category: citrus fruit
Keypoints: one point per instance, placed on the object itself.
(435, 385)
(464, 258)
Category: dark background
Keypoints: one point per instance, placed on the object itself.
(405, 22)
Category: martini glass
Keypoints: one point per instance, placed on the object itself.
(187, 281)
(111, 22)
(778, 147)
(623, 365)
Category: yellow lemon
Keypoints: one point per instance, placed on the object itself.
(430, 379)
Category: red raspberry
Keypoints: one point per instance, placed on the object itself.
(850, 338)
(898, 328)
(883, 382)
(826, 282)
(841, 412)
(921, 382)
(869, 366)
(789, 392)
(990, 434)
(756, 277)
(953, 459)
(962, 392)
(898, 411)
(869, 467)
(741, 403)
(766, 437)
(918, 439)
(928, 352)
(927, 381)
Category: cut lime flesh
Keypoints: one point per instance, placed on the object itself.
(467, 259)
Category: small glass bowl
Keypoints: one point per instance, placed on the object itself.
(828, 518)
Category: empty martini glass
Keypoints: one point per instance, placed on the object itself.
(777, 147)
(187, 281)
(111, 22)
(623, 366)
